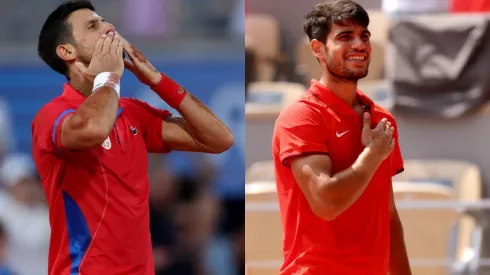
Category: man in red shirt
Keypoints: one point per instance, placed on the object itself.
(335, 152)
(90, 146)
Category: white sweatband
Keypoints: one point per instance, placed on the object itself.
(107, 79)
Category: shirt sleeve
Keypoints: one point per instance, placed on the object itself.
(46, 127)
(150, 121)
(396, 160)
(300, 130)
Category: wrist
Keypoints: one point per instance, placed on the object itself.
(169, 91)
(154, 81)
(107, 79)
(367, 161)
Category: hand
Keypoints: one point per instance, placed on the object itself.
(107, 57)
(140, 66)
(380, 139)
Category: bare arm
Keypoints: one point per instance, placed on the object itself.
(399, 264)
(330, 195)
(92, 122)
(199, 130)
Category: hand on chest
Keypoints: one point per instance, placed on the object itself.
(344, 139)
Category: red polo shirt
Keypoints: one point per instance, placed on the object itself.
(358, 240)
(98, 198)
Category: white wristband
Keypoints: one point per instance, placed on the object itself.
(107, 79)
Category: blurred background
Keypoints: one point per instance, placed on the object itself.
(197, 209)
(429, 67)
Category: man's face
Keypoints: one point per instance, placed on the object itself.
(348, 51)
(87, 27)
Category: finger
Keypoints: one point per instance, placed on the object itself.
(367, 120)
(99, 44)
(119, 50)
(380, 127)
(392, 144)
(129, 65)
(115, 43)
(127, 48)
(107, 42)
(388, 125)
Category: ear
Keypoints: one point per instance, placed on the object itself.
(318, 49)
(66, 52)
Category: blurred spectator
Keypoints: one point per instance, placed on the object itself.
(25, 216)
(4, 267)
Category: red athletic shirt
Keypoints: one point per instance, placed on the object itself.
(98, 198)
(470, 6)
(358, 240)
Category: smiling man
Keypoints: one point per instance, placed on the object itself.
(335, 152)
(91, 146)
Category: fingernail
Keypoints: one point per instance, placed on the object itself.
(104, 35)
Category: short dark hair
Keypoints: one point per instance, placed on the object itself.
(321, 17)
(57, 31)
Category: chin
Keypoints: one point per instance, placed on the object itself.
(356, 74)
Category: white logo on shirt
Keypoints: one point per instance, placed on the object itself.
(341, 134)
(107, 144)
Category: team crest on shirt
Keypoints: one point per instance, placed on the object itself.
(107, 144)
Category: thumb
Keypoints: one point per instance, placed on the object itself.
(366, 120)
(129, 65)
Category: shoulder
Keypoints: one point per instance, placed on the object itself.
(306, 109)
(52, 109)
(383, 113)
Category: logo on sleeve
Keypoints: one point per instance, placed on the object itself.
(107, 144)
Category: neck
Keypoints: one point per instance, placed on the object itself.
(346, 90)
(84, 87)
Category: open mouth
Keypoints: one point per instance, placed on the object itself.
(356, 58)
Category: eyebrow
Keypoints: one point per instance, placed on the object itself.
(351, 32)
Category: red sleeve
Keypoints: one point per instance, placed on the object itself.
(150, 121)
(46, 127)
(300, 130)
(396, 160)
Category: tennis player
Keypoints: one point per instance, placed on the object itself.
(90, 144)
(335, 152)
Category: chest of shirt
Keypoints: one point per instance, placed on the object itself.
(124, 147)
(344, 143)
(122, 155)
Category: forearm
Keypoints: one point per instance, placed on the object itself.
(97, 114)
(202, 123)
(399, 264)
(342, 189)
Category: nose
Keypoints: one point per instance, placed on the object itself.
(358, 44)
(108, 27)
